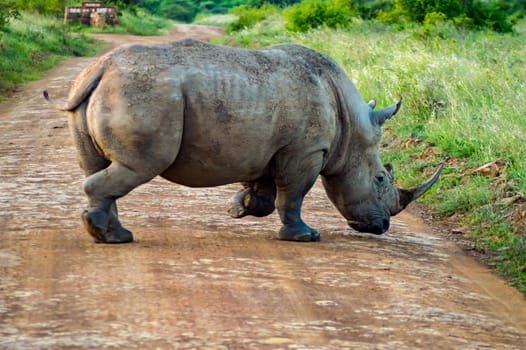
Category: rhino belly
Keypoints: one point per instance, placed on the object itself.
(196, 169)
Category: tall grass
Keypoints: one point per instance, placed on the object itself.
(464, 102)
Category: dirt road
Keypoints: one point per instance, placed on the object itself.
(197, 279)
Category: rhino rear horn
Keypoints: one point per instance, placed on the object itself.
(407, 196)
(379, 117)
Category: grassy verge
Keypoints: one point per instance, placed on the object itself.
(214, 20)
(33, 44)
(464, 103)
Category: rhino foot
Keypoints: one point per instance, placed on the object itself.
(120, 235)
(299, 233)
(236, 209)
(247, 202)
(96, 222)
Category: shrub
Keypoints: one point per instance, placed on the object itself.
(370, 9)
(433, 18)
(8, 11)
(179, 10)
(311, 14)
(471, 14)
(138, 22)
(279, 3)
(416, 11)
(46, 7)
(491, 15)
(248, 16)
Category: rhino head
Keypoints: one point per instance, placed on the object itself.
(363, 191)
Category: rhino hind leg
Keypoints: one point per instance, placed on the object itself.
(256, 198)
(103, 188)
(105, 227)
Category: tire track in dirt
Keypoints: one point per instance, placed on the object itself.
(196, 279)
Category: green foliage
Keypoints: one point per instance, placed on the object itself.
(473, 14)
(491, 15)
(311, 14)
(187, 10)
(279, 3)
(46, 7)
(8, 11)
(140, 23)
(370, 9)
(179, 10)
(248, 16)
(416, 10)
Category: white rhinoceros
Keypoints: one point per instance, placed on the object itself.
(206, 115)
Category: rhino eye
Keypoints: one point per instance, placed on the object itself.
(382, 181)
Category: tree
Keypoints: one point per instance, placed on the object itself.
(47, 7)
(476, 14)
(179, 10)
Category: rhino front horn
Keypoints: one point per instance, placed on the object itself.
(407, 196)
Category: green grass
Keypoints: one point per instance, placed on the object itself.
(33, 44)
(221, 20)
(463, 99)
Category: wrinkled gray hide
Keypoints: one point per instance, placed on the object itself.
(204, 115)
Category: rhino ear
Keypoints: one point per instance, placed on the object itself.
(379, 117)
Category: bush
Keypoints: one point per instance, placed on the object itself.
(45, 7)
(491, 15)
(370, 9)
(179, 10)
(471, 14)
(279, 3)
(8, 11)
(139, 22)
(248, 16)
(316, 13)
(416, 11)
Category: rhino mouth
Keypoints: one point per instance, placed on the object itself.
(377, 227)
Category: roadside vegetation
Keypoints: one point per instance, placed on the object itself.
(463, 105)
(31, 44)
(34, 39)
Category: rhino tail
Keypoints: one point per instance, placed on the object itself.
(84, 85)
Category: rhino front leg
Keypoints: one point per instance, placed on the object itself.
(256, 198)
(292, 187)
